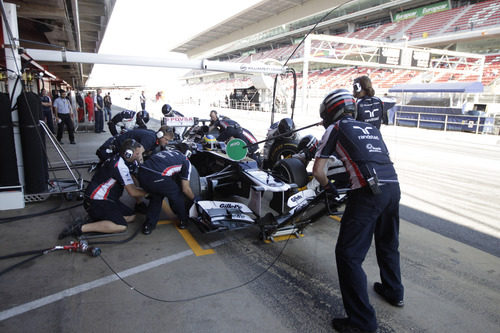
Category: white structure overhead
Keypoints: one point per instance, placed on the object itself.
(262, 16)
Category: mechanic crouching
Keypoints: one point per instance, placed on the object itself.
(141, 119)
(166, 174)
(372, 209)
(102, 196)
(150, 140)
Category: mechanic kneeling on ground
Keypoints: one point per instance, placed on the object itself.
(372, 208)
(102, 196)
(166, 174)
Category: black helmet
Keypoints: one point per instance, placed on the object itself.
(142, 118)
(166, 109)
(335, 104)
(309, 145)
(286, 125)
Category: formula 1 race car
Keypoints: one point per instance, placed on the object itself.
(223, 172)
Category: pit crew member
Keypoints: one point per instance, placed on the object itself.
(307, 147)
(370, 108)
(102, 196)
(372, 209)
(166, 174)
(168, 112)
(283, 126)
(141, 119)
(150, 140)
(226, 127)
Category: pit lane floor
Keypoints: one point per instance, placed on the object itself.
(449, 260)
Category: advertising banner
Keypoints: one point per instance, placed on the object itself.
(426, 10)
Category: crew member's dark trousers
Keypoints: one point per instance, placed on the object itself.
(68, 122)
(107, 149)
(112, 128)
(99, 121)
(366, 215)
(112, 123)
(159, 187)
(47, 115)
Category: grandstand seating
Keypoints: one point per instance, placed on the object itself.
(482, 14)
(434, 23)
(491, 68)
(486, 13)
(392, 31)
(364, 33)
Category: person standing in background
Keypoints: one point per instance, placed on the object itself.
(80, 107)
(107, 107)
(143, 101)
(64, 117)
(98, 109)
(89, 104)
(370, 108)
(47, 110)
(72, 98)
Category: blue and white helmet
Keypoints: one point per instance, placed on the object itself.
(335, 104)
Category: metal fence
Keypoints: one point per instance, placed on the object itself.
(447, 122)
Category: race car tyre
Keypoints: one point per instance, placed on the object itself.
(291, 170)
(194, 182)
(281, 150)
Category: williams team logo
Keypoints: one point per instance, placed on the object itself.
(366, 133)
(372, 149)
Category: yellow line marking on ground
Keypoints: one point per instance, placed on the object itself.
(335, 217)
(193, 244)
(282, 238)
(189, 239)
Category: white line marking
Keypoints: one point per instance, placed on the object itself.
(89, 285)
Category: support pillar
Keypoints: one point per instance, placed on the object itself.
(13, 198)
